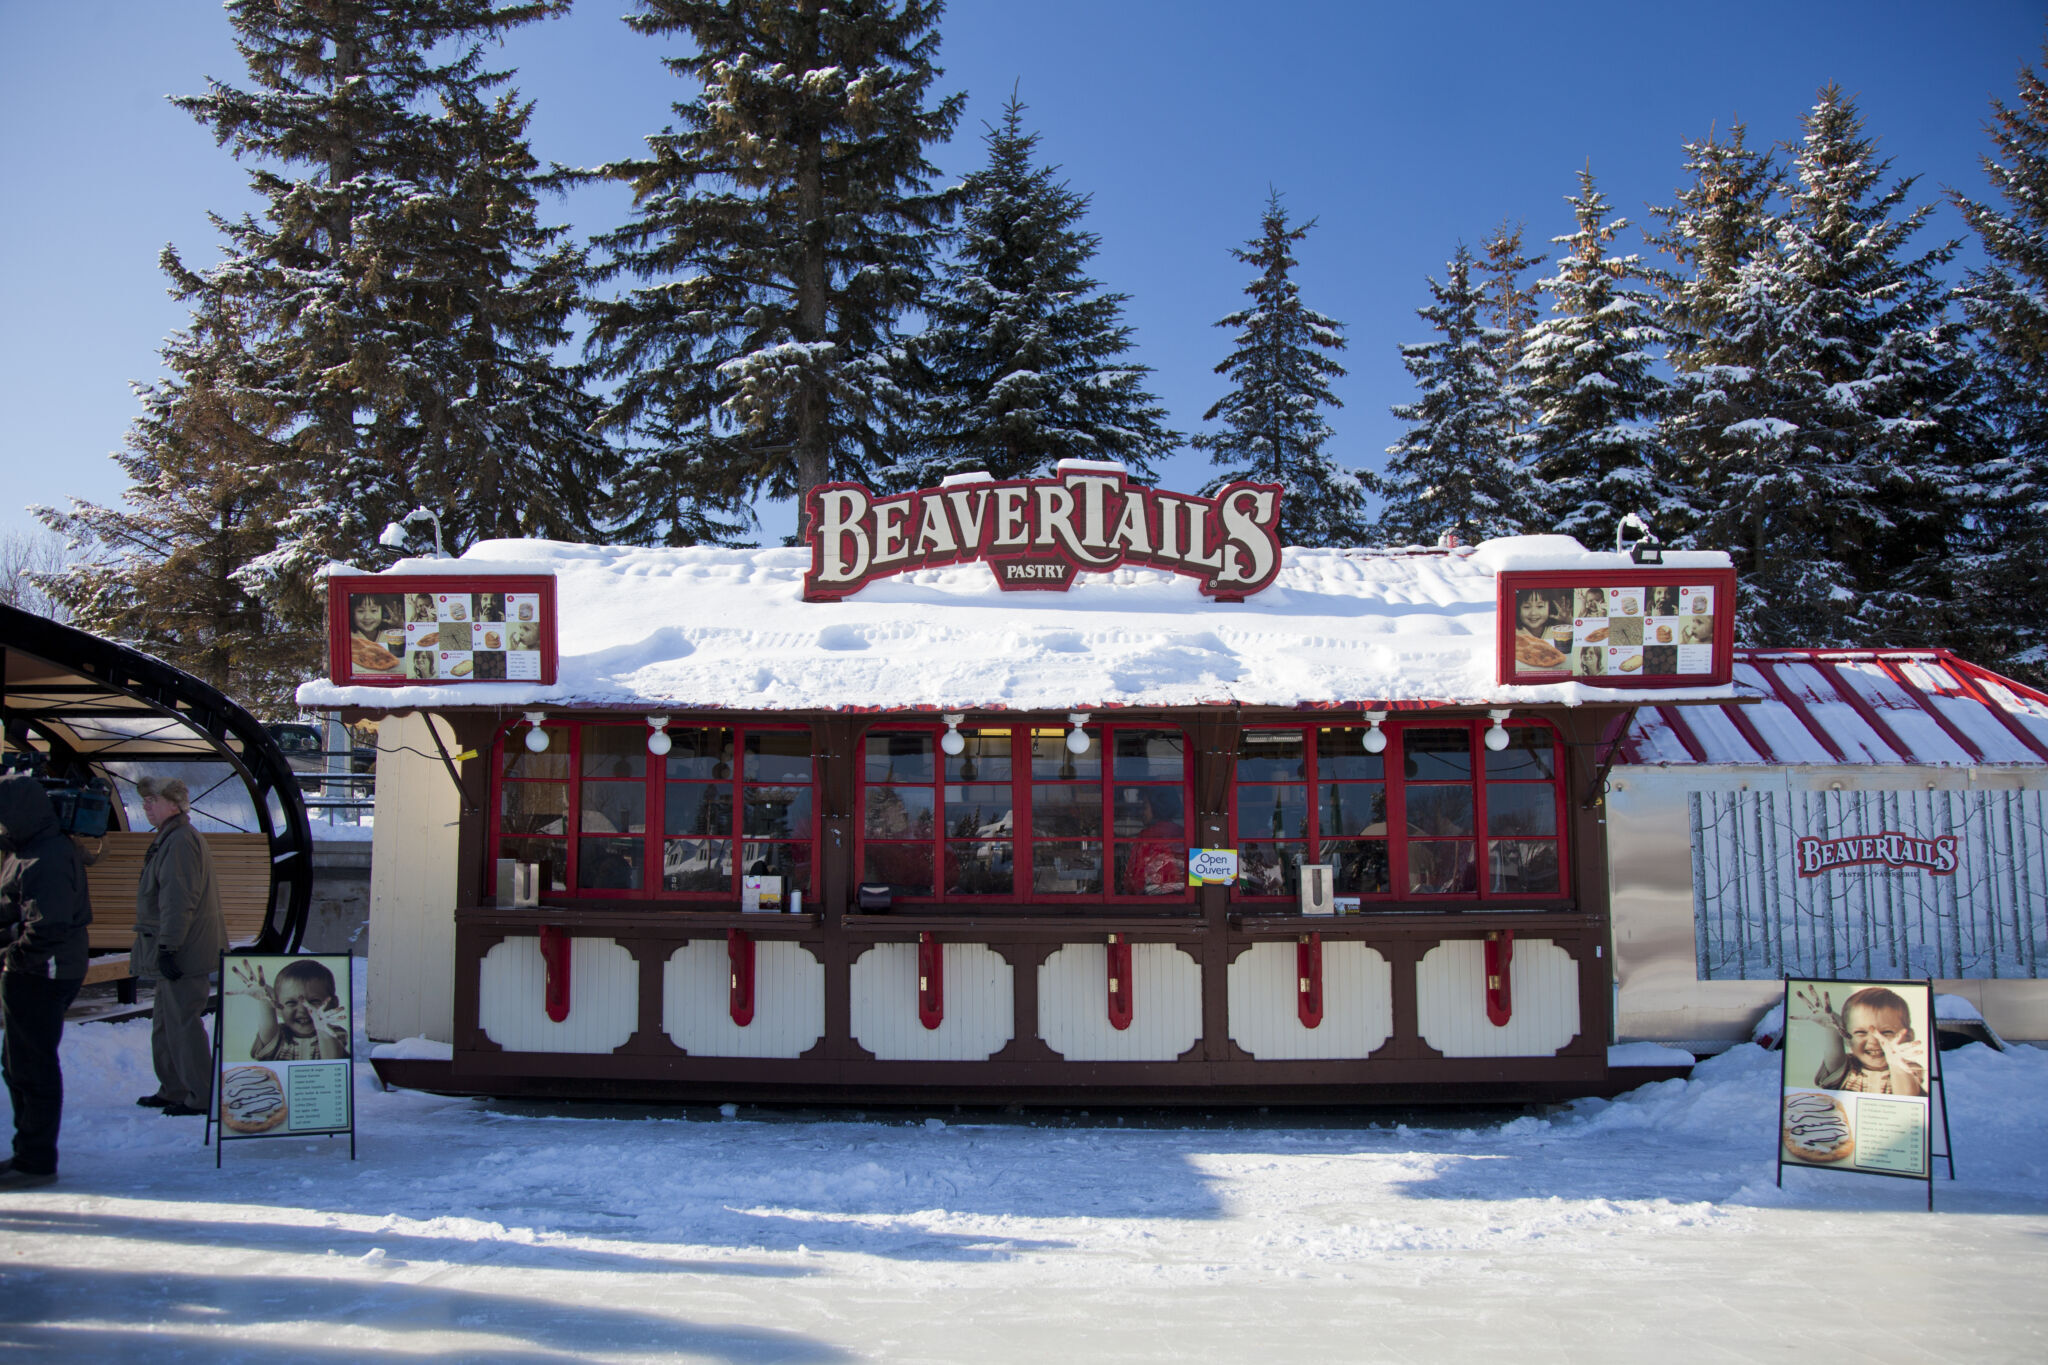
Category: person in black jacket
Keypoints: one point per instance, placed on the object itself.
(44, 911)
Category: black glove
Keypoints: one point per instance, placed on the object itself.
(167, 965)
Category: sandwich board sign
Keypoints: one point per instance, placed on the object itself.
(283, 1048)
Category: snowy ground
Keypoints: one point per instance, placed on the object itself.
(510, 1233)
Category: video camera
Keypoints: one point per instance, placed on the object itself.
(84, 806)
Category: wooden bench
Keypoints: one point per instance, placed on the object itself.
(241, 866)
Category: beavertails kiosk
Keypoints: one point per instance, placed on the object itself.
(1046, 791)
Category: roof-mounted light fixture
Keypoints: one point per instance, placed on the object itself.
(953, 742)
(1496, 734)
(1375, 738)
(1077, 738)
(394, 535)
(658, 742)
(536, 738)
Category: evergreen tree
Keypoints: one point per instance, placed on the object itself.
(1841, 460)
(400, 301)
(1280, 373)
(2006, 303)
(1510, 304)
(1587, 370)
(780, 232)
(1024, 352)
(1454, 469)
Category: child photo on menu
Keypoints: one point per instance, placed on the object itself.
(300, 1017)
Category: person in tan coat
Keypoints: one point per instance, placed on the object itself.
(179, 936)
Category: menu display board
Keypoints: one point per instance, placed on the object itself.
(400, 629)
(284, 1047)
(1630, 628)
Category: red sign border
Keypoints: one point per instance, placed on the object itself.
(1722, 581)
(340, 586)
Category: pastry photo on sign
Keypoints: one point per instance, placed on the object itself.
(1544, 629)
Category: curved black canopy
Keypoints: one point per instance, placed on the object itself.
(92, 706)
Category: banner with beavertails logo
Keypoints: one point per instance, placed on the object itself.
(1040, 534)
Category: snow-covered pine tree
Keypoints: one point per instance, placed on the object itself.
(781, 230)
(163, 571)
(1454, 469)
(2006, 303)
(1510, 309)
(1592, 453)
(398, 301)
(1280, 374)
(1024, 355)
(1843, 462)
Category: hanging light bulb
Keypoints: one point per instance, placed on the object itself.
(658, 742)
(953, 742)
(1496, 734)
(536, 738)
(1375, 738)
(1077, 738)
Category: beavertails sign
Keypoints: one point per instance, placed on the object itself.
(1039, 534)
(1891, 848)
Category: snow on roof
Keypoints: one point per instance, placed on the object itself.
(1922, 707)
(695, 628)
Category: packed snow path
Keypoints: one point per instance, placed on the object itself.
(1644, 1228)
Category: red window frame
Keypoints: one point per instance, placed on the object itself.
(567, 735)
(1397, 837)
(1024, 841)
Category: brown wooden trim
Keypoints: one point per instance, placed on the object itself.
(1025, 959)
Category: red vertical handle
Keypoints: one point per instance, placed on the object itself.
(554, 955)
(1500, 995)
(1119, 982)
(931, 982)
(739, 951)
(1308, 972)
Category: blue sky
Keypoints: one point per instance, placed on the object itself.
(1402, 127)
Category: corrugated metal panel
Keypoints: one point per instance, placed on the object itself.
(1922, 735)
(789, 1001)
(1946, 694)
(1652, 740)
(412, 884)
(980, 1005)
(2027, 712)
(1780, 726)
(1166, 1004)
(1450, 1000)
(604, 997)
(1850, 732)
(1717, 736)
(1265, 1015)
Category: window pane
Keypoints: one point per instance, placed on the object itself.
(895, 756)
(1155, 754)
(1531, 754)
(1352, 808)
(1270, 756)
(1269, 869)
(700, 752)
(1148, 813)
(778, 756)
(1521, 808)
(615, 750)
(1051, 758)
(1437, 755)
(790, 861)
(1151, 867)
(614, 808)
(985, 867)
(1067, 812)
(698, 808)
(1440, 810)
(985, 759)
(777, 812)
(1525, 867)
(534, 808)
(1341, 754)
(609, 864)
(1060, 869)
(898, 813)
(1362, 868)
(551, 854)
(520, 763)
(1272, 812)
(697, 865)
(979, 812)
(1442, 867)
(906, 869)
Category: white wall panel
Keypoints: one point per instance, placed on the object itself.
(979, 995)
(604, 997)
(789, 1001)
(1450, 1000)
(412, 886)
(1166, 1004)
(1265, 1014)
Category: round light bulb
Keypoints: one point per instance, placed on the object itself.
(953, 742)
(1077, 740)
(659, 743)
(536, 740)
(1497, 738)
(1375, 740)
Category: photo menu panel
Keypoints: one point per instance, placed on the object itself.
(1617, 631)
(399, 630)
